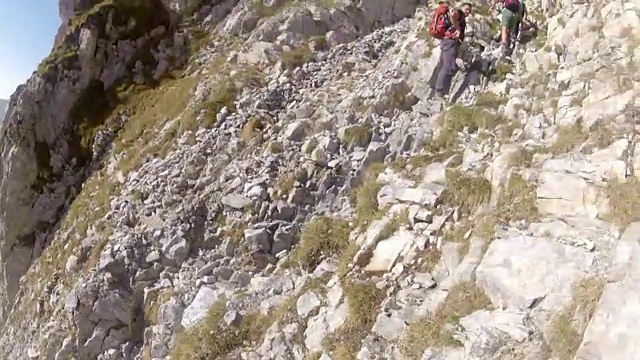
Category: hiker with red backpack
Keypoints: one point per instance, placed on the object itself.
(449, 27)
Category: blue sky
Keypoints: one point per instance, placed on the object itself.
(27, 29)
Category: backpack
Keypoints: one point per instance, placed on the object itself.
(512, 5)
(440, 22)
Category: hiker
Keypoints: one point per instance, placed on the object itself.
(512, 11)
(449, 27)
(522, 19)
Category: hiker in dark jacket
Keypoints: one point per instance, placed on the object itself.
(449, 47)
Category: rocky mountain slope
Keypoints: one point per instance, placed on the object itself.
(3, 107)
(248, 180)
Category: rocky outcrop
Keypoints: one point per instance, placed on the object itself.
(293, 192)
(3, 107)
(52, 119)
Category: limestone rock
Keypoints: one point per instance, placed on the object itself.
(135, 197)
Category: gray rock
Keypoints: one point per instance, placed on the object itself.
(307, 303)
(557, 268)
(170, 314)
(66, 350)
(240, 278)
(323, 324)
(300, 196)
(309, 145)
(267, 305)
(389, 327)
(426, 195)
(608, 335)
(319, 157)
(424, 280)
(197, 310)
(235, 201)
(423, 215)
(258, 239)
(466, 266)
(489, 331)
(206, 269)
(435, 173)
(33, 354)
(257, 192)
(387, 251)
(443, 354)
(114, 307)
(72, 264)
(376, 153)
(153, 256)
(284, 211)
(175, 249)
(358, 155)
(283, 239)
(223, 272)
(328, 144)
(232, 318)
(297, 130)
(93, 346)
(44, 105)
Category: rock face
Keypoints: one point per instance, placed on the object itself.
(44, 165)
(275, 173)
(3, 107)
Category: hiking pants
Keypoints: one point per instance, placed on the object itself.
(523, 10)
(509, 19)
(448, 55)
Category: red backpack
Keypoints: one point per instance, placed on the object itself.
(512, 5)
(440, 22)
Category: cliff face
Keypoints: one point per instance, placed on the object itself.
(52, 121)
(3, 107)
(272, 180)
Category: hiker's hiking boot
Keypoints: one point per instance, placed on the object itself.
(505, 51)
(439, 96)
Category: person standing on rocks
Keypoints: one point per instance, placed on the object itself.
(522, 18)
(512, 12)
(449, 47)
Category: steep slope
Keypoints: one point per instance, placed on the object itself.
(292, 193)
(3, 107)
(46, 141)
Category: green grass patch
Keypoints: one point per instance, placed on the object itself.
(296, 57)
(323, 236)
(459, 117)
(624, 200)
(463, 299)
(466, 192)
(365, 198)
(212, 340)
(363, 300)
(565, 336)
(517, 201)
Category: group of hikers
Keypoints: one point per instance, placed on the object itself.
(448, 25)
